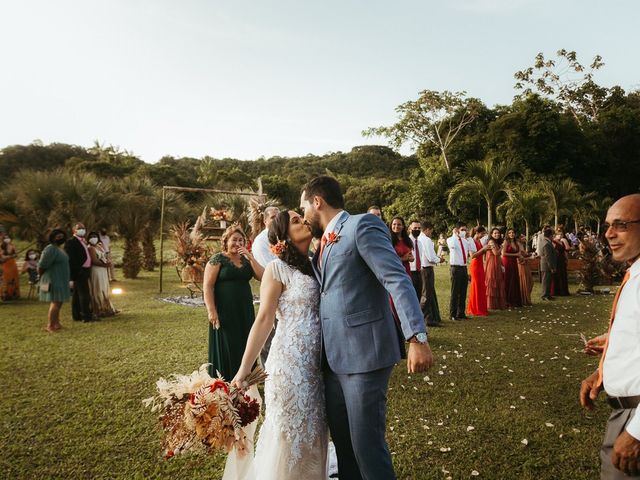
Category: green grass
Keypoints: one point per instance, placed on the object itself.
(71, 402)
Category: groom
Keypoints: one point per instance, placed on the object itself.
(358, 269)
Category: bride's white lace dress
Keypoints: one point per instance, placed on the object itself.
(293, 439)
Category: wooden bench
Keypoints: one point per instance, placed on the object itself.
(574, 265)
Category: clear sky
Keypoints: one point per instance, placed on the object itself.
(246, 79)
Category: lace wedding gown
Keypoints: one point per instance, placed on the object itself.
(293, 439)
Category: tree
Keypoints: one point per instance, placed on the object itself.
(436, 118)
(525, 202)
(487, 180)
(136, 204)
(40, 201)
(564, 196)
(568, 82)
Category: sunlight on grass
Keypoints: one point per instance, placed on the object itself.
(501, 401)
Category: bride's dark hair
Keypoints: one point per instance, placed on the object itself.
(279, 232)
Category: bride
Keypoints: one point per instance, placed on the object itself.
(293, 439)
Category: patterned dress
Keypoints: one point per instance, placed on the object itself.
(293, 439)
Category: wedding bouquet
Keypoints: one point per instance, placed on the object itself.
(200, 413)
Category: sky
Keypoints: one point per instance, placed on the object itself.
(246, 79)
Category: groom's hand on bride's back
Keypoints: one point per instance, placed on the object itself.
(419, 357)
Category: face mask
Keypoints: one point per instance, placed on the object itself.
(93, 241)
(415, 233)
(32, 256)
(81, 232)
(59, 241)
(7, 240)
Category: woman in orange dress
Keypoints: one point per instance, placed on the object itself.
(477, 304)
(494, 278)
(10, 275)
(524, 272)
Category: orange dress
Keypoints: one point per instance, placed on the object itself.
(477, 304)
(494, 279)
(526, 281)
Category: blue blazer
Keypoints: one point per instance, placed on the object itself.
(358, 272)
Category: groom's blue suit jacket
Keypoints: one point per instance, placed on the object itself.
(358, 273)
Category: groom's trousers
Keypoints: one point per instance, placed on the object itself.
(356, 413)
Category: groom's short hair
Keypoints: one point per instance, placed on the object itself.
(326, 187)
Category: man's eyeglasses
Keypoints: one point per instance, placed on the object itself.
(618, 226)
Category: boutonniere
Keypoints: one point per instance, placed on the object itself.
(332, 238)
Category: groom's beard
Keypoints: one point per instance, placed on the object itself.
(316, 229)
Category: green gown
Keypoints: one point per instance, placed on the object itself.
(55, 263)
(234, 303)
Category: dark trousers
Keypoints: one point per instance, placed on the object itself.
(545, 278)
(427, 295)
(459, 282)
(416, 279)
(81, 300)
(356, 413)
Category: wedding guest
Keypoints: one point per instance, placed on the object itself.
(429, 259)
(548, 262)
(375, 210)
(106, 245)
(560, 286)
(510, 254)
(619, 369)
(416, 264)
(99, 278)
(442, 246)
(260, 247)
(10, 275)
(494, 277)
(401, 241)
(30, 266)
(261, 250)
(459, 250)
(524, 272)
(229, 301)
(478, 292)
(80, 266)
(54, 278)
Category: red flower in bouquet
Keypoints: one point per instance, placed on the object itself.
(248, 409)
(219, 384)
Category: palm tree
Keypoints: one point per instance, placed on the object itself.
(525, 202)
(39, 201)
(564, 196)
(486, 179)
(175, 209)
(137, 201)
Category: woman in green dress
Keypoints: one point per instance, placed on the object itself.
(229, 301)
(54, 278)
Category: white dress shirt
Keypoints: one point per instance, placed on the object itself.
(455, 250)
(621, 369)
(106, 242)
(261, 249)
(428, 256)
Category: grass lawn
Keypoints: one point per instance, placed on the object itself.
(71, 404)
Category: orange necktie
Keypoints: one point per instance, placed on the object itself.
(323, 242)
(613, 314)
